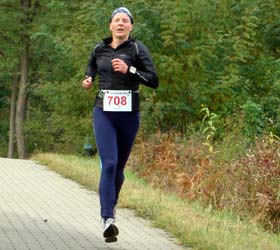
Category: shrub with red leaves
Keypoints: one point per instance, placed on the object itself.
(248, 186)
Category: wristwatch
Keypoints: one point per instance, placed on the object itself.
(132, 70)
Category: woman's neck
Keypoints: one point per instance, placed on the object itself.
(117, 42)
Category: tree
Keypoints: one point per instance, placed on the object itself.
(23, 13)
(9, 50)
(28, 9)
(12, 117)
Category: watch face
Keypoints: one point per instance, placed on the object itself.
(132, 70)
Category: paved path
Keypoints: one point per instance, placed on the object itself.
(40, 210)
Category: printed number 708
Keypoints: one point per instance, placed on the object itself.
(116, 100)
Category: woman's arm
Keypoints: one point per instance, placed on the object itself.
(144, 69)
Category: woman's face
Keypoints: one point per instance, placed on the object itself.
(121, 26)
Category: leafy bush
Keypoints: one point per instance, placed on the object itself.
(247, 183)
(256, 181)
(254, 122)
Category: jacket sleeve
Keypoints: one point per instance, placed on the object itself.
(92, 66)
(146, 72)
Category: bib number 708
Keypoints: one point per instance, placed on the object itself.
(117, 100)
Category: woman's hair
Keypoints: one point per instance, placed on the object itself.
(122, 10)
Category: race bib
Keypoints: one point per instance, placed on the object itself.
(117, 100)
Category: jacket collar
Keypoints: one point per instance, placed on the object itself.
(108, 40)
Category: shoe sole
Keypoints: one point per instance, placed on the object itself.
(111, 239)
(111, 231)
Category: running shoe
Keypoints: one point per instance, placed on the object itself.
(110, 230)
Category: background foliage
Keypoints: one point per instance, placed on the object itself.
(223, 54)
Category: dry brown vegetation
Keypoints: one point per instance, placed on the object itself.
(248, 185)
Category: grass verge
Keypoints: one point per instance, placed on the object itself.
(192, 225)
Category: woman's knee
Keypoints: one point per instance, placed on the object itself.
(109, 168)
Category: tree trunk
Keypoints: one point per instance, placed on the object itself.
(22, 92)
(21, 104)
(12, 118)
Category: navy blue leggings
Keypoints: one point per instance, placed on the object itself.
(114, 134)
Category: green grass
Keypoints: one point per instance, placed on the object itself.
(192, 225)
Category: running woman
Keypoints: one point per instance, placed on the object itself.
(121, 63)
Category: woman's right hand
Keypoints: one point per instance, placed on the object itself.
(87, 83)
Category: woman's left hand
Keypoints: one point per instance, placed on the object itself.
(119, 65)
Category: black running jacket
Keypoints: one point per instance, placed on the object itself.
(135, 54)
